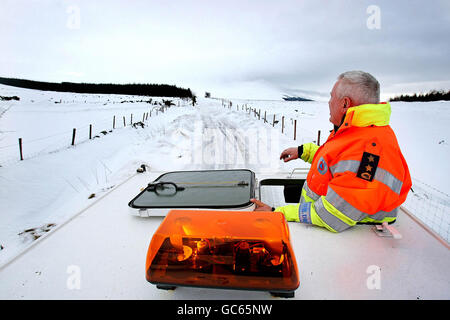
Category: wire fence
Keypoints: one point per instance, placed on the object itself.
(431, 206)
(289, 124)
(28, 149)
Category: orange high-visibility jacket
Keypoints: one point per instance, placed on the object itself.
(358, 176)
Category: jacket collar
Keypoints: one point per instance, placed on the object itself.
(366, 115)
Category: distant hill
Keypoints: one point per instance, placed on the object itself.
(288, 98)
(155, 90)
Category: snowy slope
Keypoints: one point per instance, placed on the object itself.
(56, 179)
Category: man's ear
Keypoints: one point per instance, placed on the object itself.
(346, 103)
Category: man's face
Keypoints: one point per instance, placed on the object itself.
(336, 105)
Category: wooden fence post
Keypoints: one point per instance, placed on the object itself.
(124, 121)
(73, 136)
(90, 131)
(273, 123)
(295, 129)
(265, 112)
(20, 149)
(114, 122)
(282, 124)
(318, 138)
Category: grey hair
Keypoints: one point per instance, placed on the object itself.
(359, 86)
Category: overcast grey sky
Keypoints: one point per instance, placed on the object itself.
(247, 49)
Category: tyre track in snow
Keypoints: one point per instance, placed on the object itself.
(225, 137)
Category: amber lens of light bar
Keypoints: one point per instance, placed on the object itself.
(224, 249)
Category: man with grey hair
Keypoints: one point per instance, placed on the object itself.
(359, 174)
(360, 86)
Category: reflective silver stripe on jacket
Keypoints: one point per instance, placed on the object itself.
(335, 223)
(356, 215)
(381, 175)
(343, 206)
(346, 209)
(380, 215)
(388, 179)
(309, 192)
(345, 165)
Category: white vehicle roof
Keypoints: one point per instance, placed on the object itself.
(100, 254)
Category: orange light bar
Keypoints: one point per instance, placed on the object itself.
(223, 249)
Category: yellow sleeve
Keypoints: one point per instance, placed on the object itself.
(290, 212)
(309, 150)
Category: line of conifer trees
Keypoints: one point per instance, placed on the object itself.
(155, 90)
(433, 95)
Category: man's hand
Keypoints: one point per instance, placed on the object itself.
(289, 154)
(260, 206)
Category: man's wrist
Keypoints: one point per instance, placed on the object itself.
(300, 151)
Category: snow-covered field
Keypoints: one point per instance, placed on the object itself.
(55, 179)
